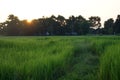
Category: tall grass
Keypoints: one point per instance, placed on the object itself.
(110, 63)
(51, 58)
(108, 48)
(33, 58)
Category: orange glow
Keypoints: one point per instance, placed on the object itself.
(29, 21)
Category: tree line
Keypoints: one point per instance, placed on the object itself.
(59, 26)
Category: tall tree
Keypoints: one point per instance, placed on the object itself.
(95, 22)
(13, 25)
(108, 26)
(61, 21)
(117, 25)
(70, 24)
(81, 25)
(3, 28)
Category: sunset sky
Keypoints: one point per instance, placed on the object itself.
(30, 9)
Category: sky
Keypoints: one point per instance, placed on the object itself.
(34, 9)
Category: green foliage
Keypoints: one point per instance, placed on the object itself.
(45, 26)
(110, 63)
(33, 58)
(60, 58)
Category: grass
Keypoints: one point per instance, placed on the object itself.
(110, 63)
(60, 58)
(33, 59)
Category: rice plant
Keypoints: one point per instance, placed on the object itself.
(33, 58)
(60, 58)
(110, 63)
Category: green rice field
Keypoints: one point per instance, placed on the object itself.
(60, 58)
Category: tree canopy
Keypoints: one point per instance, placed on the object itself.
(74, 25)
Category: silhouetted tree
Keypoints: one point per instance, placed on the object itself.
(56, 23)
(61, 22)
(49, 25)
(13, 25)
(95, 22)
(59, 26)
(46, 25)
(24, 28)
(70, 24)
(108, 26)
(3, 27)
(117, 25)
(81, 25)
(77, 25)
(41, 28)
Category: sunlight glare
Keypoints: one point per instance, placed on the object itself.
(29, 21)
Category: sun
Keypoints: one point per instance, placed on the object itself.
(29, 21)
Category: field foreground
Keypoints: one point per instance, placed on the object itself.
(60, 58)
